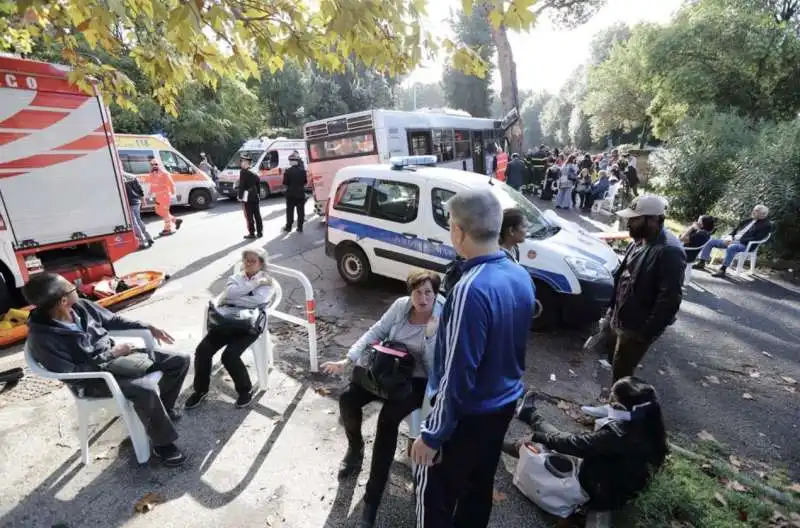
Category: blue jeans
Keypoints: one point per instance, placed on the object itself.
(139, 229)
(730, 251)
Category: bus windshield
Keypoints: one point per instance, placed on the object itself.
(342, 147)
(252, 154)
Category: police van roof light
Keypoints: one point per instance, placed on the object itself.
(398, 162)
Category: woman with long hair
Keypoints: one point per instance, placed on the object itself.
(513, 232)
(621, 456)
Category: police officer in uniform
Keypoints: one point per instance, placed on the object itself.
(249, 183)
(294, 180)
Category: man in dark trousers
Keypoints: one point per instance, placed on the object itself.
(294, 180)
(753, 229)
(647, 292)
(516, 171)
(477, 370)
(249, 183)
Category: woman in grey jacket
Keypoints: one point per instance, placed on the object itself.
(249, 288)
(411, 320)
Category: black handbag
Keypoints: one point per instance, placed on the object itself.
(251, 321)
(386, 370)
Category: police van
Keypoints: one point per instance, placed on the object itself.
(388, 219)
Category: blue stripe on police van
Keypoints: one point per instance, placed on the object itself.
(418, 245)
(557, 281)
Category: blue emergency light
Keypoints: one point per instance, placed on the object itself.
(398, 162)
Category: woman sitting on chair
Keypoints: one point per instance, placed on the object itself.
(412, 321)
(246, 289)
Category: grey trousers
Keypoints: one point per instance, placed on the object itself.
(152, 405)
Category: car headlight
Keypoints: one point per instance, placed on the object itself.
(588, 269)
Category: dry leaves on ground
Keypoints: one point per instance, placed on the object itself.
(713, 379)
(148, 502)
(736, 486)
(706, 436)
(498, 496)
(788, 380)
(747, 396)
(755, 374)
(735, 461)
(767, 354)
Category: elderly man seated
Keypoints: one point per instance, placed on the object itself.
(752, 229)
(68, 334)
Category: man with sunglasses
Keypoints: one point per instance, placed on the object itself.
(69, 334)
(162, 186)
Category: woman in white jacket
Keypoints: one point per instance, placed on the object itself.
(249, 288)
(411, 320)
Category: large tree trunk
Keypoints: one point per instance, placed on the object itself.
(509, 95)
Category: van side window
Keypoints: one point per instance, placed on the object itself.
(135, 161)
(351, 196)
(271, 160)
(439, 198)
(395, 201)
(173, 163)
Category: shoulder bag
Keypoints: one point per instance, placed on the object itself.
(250, 321)
(385, 369)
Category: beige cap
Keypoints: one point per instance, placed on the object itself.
(649, 205)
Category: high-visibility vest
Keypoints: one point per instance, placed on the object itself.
(502, 163)
(161, 183)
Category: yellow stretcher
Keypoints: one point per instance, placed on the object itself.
(13, 324)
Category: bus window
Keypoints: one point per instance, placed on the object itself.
(447, 147)
(343, 147)
(419, 143)
(463, 149)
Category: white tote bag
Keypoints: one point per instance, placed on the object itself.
(558, 495)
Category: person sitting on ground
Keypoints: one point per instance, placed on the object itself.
(618, 459)
(752, 229)
(69, 334)
(246, 289)
(411, 320)
(696, 235)
(513, 232)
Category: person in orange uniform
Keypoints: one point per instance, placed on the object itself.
(162, 186)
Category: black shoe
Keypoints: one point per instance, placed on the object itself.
(244, 399)
(170, 455)
(300, 229)
(351, 463)
(699, 265)
(368, 516)
(178, 223)
(260, 235)
(195, 399)
(249, 237)
(150, 243)
(720, 274)
(286, 229)
(174, 415)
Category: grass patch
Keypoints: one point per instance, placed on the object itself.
(683, 494)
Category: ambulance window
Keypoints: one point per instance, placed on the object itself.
(274, 160)
(352, 196)
(395, 201)
(174, 163)
(135, 161)
(439, 198)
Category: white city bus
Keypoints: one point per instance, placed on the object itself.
(457, 140)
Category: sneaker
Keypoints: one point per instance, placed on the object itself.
(174, 415)
(244, 399)
(300, 229)
(699, 265)
(178, 223)
(286, 229)
(721, 273)
(351, 463)
(195, 399)
(166, 233)
(150, 243)
(260, 235)
(599, 411)
(249, 237)
(170, 455)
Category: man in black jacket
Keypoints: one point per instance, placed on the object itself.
(753, 229)
(294, 181)
(68, 334)
(647, 290)
(135, 193)
(249, 184)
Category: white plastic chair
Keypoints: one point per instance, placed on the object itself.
(750, 252)
(116, 402)
(263, 356)
(414, 420)
(606, 203)
(687, 274)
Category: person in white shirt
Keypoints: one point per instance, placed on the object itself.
(752, 229)
(247, 289)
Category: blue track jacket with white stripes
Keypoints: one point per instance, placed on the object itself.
(480, 346)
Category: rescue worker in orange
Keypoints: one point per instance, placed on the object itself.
(163, 188)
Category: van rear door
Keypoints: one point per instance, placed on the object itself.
(59, 176)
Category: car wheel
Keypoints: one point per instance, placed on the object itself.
(263, 191)
(200, 199)
(353, 265)
(547, 309)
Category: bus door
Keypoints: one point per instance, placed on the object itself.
(420, 143)
(478, 159)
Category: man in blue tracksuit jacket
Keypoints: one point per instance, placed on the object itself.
(478, 365)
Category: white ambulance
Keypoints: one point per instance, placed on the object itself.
(270, 158)
(388, 219)
(63, 206)
(193, 187)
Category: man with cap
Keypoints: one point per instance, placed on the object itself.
(647, 291)
(294, 180)
(249, 184)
